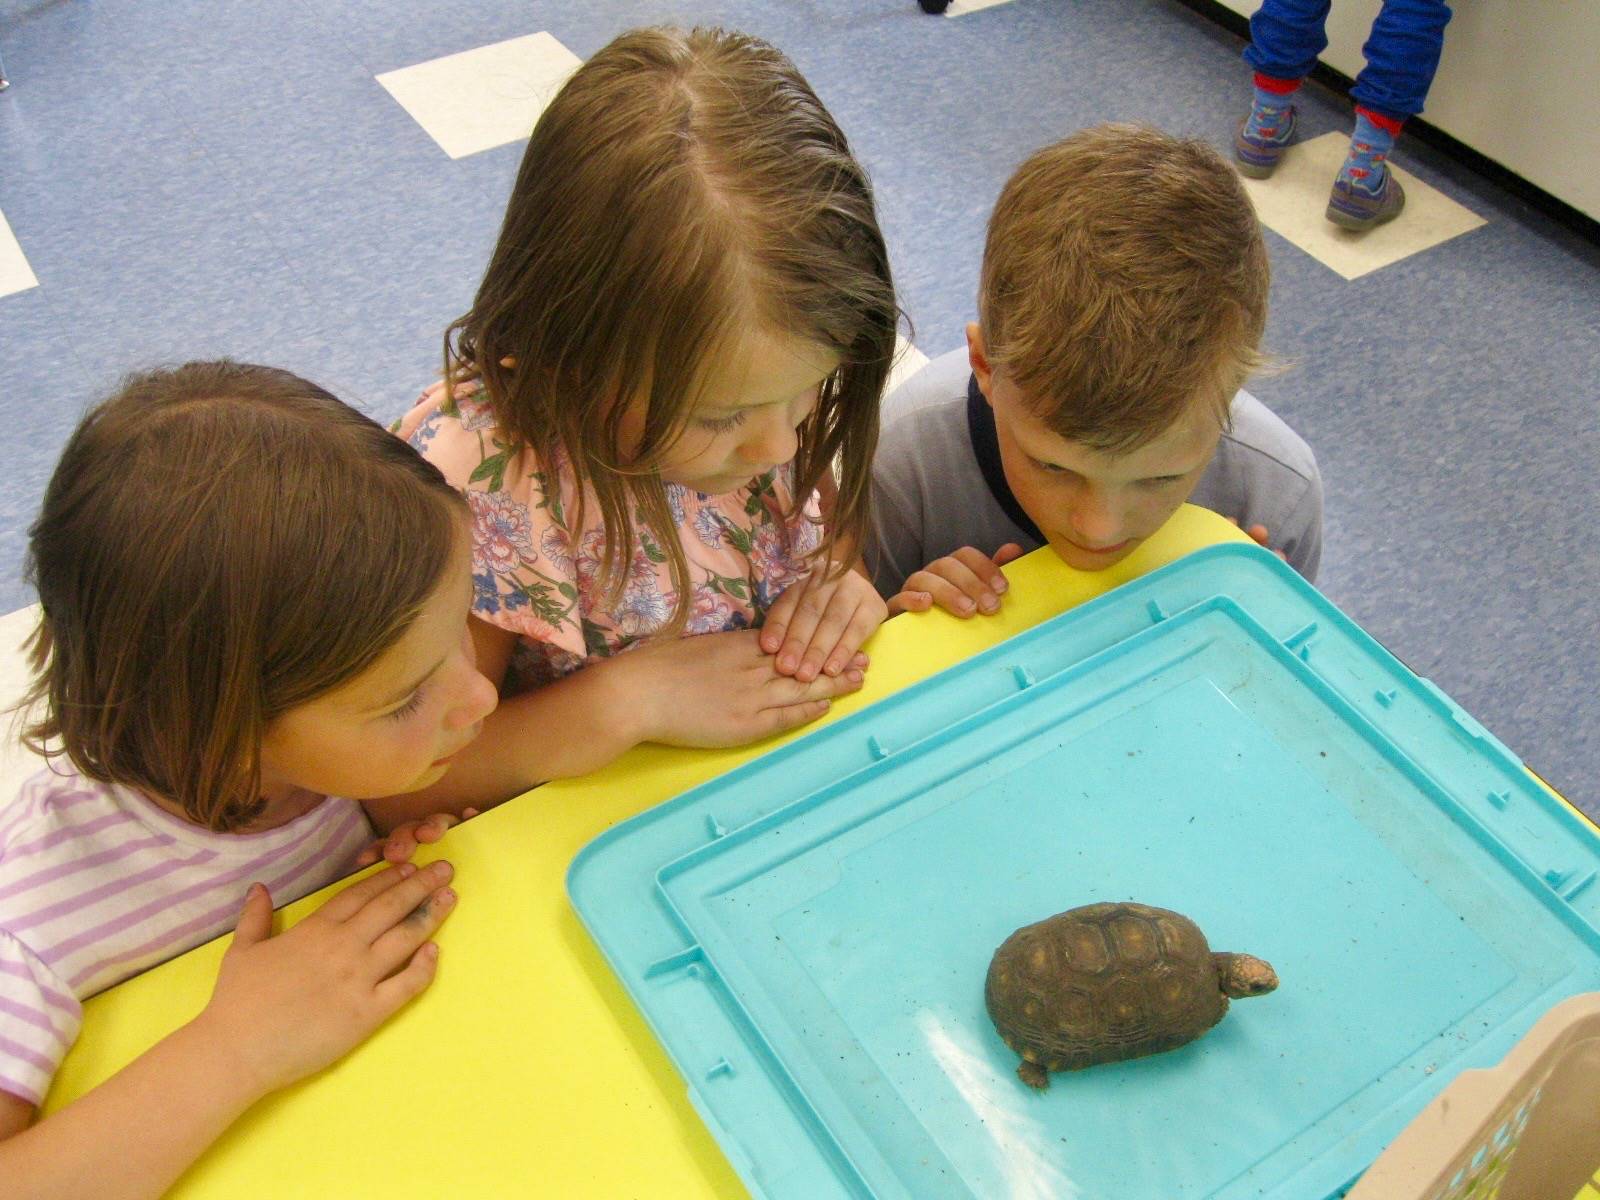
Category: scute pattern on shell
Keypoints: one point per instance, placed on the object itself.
(1103, 983)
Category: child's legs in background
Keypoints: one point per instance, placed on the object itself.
(1286, 36)
(1402, 54)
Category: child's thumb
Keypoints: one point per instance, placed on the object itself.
(255, 920)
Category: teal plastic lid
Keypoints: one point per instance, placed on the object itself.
(808, 935)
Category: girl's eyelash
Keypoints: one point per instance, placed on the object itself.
(406, 709)
(722, 424)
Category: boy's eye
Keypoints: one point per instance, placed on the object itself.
(722, 424)
(406, 709)
(1162, 481)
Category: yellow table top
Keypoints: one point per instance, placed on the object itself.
(525, 1069)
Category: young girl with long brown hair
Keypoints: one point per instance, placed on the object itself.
(254, 605)
(683, 330)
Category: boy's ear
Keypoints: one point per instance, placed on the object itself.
(978, 356)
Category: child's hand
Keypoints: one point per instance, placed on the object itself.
(962, 583)
(287, 1006)
(403, 840)
(720, 689)
(817, 625)
(1258, 534)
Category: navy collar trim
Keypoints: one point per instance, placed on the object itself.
(986, 447)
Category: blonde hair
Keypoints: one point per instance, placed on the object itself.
(220, 543)
(679, 187)
(1124, 281)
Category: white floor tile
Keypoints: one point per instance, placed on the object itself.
(486, 97)
(15, 273)
(1292, 202)
(961, 8)
(16, 763)
(908, 360)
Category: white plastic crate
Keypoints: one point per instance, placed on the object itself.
(1528, 1129)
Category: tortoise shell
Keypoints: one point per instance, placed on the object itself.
(1108, 982)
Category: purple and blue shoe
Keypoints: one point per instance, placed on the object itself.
(1366, 193)
(1262, 138)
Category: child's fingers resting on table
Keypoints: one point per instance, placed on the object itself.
(291, 1004)
(403, 840)
(817, 626)
(966, 582)
(722, 689)
(779, 702)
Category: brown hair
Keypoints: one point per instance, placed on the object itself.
(1124, 279)
(679, 187)
(219, 544)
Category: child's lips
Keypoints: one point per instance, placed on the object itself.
(1122, 545)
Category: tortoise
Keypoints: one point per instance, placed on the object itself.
(1109, 982)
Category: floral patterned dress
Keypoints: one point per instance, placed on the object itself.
(537, 576)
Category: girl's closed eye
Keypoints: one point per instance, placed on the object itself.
(722, 424)
(413, 702)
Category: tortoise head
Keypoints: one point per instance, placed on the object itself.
(1244, 975)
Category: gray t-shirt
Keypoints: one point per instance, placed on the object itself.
(932, 493)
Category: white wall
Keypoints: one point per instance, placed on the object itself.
(1519, 83)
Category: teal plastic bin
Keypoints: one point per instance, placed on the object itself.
(808, 935)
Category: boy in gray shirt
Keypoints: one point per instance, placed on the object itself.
(1123, 294)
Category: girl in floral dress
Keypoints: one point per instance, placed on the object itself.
(668, 378)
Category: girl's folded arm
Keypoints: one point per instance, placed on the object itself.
(134, 1134)
(284, 1007)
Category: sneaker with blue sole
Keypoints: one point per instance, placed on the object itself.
(1262, 138)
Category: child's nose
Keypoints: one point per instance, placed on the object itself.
(1096, 521)
(773, 442)
(478, 700)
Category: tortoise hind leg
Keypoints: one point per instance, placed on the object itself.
(1034, 1075)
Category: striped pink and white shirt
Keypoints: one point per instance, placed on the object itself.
(97, 883)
